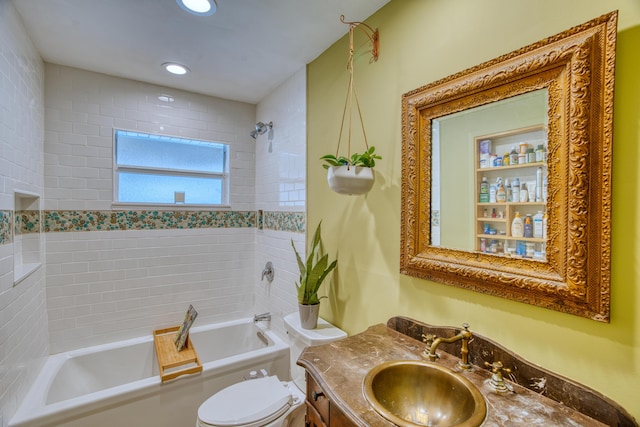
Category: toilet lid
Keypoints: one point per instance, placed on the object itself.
(246, 403)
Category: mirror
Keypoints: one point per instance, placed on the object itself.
(541, 119)
(516, 124)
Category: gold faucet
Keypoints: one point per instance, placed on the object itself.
(497, 379)
(465, 335)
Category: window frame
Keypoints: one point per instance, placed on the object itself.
(118, 168)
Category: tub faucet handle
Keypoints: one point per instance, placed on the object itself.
(268, 272)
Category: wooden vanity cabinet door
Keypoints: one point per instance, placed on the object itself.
(337, 418)
(313, 418)
(317, 399)
(320, 411)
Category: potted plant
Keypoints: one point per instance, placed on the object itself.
(351, 175)
(312, 274)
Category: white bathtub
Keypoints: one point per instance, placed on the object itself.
(118, 384)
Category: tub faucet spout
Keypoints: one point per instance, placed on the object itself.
(263, 316)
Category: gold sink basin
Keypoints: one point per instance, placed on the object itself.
(412, 393)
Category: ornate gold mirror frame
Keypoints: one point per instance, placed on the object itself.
(577, 69)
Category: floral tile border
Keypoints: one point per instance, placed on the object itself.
(285, 221)
(6, 236)
(27, 222)
(62, 221)
(56, 221)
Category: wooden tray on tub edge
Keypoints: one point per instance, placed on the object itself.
(170, 358)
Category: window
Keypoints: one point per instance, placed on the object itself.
(160, 169)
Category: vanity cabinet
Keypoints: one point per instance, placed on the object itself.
(320, 411)
(507, 163)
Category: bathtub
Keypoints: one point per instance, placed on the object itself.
(118, 384)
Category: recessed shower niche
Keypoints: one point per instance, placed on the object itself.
(27, 231)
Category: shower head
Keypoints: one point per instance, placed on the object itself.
(261, 129)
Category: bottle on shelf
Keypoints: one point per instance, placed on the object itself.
(524, 194)
(515, 190)
(484, 190)
(539, 185)
(522, 158)
(523, 147)
(527, 226)
(538, 225)
(513, 156)
(530, 249)
(501, 193)
(517, 226)
(507, 188)
(540, 153)
(544, 225)
(506, 159)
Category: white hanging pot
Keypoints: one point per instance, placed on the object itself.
(352, 180)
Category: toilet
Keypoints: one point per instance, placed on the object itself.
(269, 401)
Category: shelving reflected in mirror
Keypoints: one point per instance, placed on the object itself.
(495, 150)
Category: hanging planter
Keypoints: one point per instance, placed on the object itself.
(353, 174)
(352, 180)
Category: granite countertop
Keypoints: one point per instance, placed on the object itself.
(340, 367)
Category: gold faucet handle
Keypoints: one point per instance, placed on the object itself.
(428, 339)
(497, 368)
(466, 332)
(497, 379)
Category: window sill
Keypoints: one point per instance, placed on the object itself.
(169, 207)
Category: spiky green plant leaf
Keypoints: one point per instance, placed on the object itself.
(313, 271)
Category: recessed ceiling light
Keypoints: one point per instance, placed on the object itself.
(166, 98)
(174, 68)
(199, 7)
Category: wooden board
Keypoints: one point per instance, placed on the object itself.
(169, 357)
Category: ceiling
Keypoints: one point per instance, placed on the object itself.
(242, 52)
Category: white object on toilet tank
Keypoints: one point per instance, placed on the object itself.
(300, 338)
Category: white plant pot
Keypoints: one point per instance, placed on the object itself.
(352, 180)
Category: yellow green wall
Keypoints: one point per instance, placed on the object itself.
(422, 41)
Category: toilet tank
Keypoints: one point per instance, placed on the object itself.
(300, 338)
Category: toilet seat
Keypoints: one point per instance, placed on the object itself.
(250, 403)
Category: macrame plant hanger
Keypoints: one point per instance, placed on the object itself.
(373, 37)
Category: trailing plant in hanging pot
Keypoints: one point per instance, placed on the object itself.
(366, 159)
(312, 274)
(353, 174)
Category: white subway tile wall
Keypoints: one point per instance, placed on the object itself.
(281, 186)
(281, 156)
(23, 314)
(104, 286)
